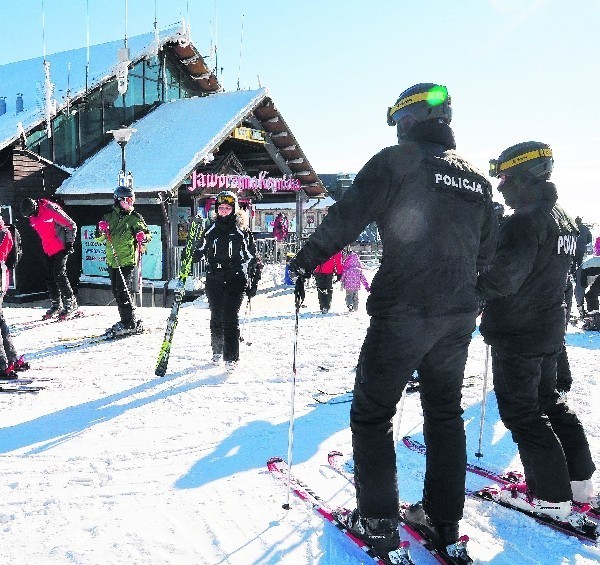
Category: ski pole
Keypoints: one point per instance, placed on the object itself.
(399, 417)
(109, 239)
(479, 454)
(140, 280)
(243, 332)
(249, 320)
(286, 506)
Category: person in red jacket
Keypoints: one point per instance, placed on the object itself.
(324, 280)
(57, 232)
(10, 362)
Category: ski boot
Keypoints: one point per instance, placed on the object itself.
(9, 373)
(444, 537)
(116, 330)
(230, 366)
(216, 359)
(54, 310)
(380, 533)
(21, 365)
(519, 496)
(135, 327)
(69, 310)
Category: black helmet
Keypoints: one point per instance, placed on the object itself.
(123, 192)
(227, 197)
(420, 103)
(29, 207)
(531, 157)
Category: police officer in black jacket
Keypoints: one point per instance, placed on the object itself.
(524, 322)
(434, 212)
(230, 253)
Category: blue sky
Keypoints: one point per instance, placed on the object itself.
(517, 70)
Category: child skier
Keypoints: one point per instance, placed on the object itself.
(352, 278)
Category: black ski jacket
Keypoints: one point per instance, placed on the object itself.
(434, 214)
(524, 288)
(228, 246)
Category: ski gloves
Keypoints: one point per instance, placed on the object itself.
(302, 275)
(254, 274)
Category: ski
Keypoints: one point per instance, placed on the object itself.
(460, 548)
(92, 340)
(419, 447)
(22, 326)
(333, 398)
(502, 478)
(196, 230)
(279, 470)
(587, 530)
(19, 389)
(4, 382)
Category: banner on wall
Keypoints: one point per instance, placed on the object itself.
(93, 254)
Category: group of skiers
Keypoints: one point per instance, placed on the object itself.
(347, 269)
(122, 229)
(446, 257)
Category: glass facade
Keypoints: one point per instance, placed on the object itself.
(79, 133)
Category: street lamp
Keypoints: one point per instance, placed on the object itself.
(122, 136)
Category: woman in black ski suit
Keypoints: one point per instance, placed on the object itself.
(228, 247)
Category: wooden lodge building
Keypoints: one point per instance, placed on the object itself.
(191, 141)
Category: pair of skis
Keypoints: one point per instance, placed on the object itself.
(22, 326)
(187, 261)
(338, 518)
(74, 342)
(19, 386)
(588, 531)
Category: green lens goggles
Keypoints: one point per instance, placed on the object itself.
(494, 168)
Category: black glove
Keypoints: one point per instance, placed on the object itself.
(69, 247)
(251, 291)
(298, 269)
(338, 278)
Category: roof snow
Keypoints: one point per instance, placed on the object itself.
(170, 141)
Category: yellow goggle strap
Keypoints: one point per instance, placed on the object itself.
(535, 154)
(435, 98)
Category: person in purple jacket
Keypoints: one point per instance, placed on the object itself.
(352, 278)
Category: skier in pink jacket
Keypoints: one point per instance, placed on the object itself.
(352, 278)
(324, 280)
(57, 232)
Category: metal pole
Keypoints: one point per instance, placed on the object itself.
(122, 144)
(482, 419)
(399, 411)
(286, 506)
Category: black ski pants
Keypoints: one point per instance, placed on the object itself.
(324, 284)
(8, 353)
(591, 296)
(121, 287)
(225, 293)
(436, 346)
(552, 443)
(55, 267)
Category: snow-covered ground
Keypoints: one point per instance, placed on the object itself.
(113, 465)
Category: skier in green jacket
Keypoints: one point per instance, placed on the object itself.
(125, 232)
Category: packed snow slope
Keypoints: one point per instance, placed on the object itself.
(110, 464)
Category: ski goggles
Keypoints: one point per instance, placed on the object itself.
(226, 199)
(434, 97)
(497, 168)
(128, 199)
